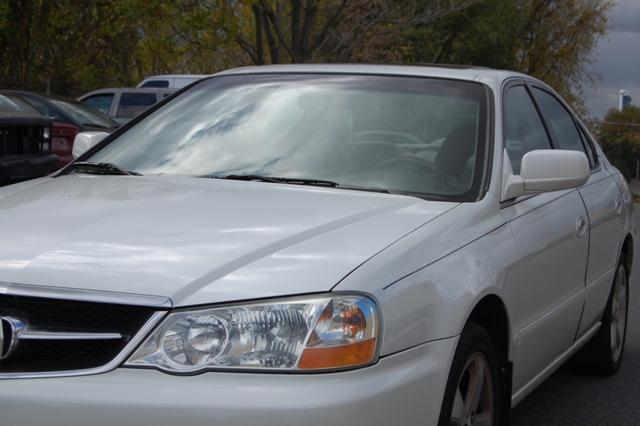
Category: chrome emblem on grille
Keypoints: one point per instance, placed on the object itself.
(10, 329)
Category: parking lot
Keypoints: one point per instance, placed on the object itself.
(571, 398)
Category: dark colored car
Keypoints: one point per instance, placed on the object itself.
(25, 142)
(69, 118)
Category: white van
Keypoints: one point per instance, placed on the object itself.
(170, 81)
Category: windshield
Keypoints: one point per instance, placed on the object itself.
(409, 135)
(82, 114)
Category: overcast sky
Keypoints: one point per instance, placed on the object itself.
(617, 60)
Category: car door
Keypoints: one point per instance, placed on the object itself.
(545, 286)
(603, 203)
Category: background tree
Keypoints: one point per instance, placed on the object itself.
(292, 31)
(619, 136)
(72, 46)
(66, 44)
(551, 40)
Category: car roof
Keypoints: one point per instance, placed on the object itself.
(45, 96)
(162, 76)
(491, 77)
(128, 89)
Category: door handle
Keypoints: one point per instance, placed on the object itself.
(581, 226)
(618, 204)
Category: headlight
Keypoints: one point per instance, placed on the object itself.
(329, 332)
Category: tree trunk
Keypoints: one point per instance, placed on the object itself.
(296, 40)
(257, 16)
(274, 49)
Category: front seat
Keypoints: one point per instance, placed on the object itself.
(457, 148)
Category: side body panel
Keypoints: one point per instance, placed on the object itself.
(545, 288)
(605, 207)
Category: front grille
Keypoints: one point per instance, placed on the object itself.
(22, 141)
(68, 316)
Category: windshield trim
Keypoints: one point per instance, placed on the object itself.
(484, 163)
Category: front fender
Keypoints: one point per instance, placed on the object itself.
(435, 302)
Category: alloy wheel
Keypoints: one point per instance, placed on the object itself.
(474, 403)
(618, 313)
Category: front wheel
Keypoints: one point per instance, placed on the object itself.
(472, 395)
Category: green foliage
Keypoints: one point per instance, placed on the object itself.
(484, 35)
(551, 40)
(72, 46)
(619, 136)
(4, 15)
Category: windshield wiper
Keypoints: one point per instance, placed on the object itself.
(297, 181)
(277, 179)
(364, 188)
(100, 169)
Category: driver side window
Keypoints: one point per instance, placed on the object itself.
(523, 128)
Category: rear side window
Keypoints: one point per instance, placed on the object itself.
(162, 84)
(523, 127)
(100, 102)
(131, 104)
(563, 127)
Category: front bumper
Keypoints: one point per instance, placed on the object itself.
(401, 389)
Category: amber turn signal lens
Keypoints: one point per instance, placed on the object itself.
(338, 356)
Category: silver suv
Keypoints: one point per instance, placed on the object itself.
(122, 104)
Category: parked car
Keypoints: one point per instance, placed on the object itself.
(69, 118)
(316, 244)
(171, 81)
(25, 143)
(122, 104)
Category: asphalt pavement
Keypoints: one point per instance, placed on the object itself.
(570, 398)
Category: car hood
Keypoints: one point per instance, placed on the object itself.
(195, 241)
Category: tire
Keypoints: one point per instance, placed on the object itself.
(603, 354)
(474, 358)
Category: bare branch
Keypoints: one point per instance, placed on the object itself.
(330, 23)
(274, 49)
(277, 28)
(247, 47)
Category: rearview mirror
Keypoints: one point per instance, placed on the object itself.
(84, 141)
(547, 170)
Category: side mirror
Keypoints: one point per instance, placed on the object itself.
(547, 170)
(84, 141)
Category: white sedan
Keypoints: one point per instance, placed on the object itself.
(315, 244)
